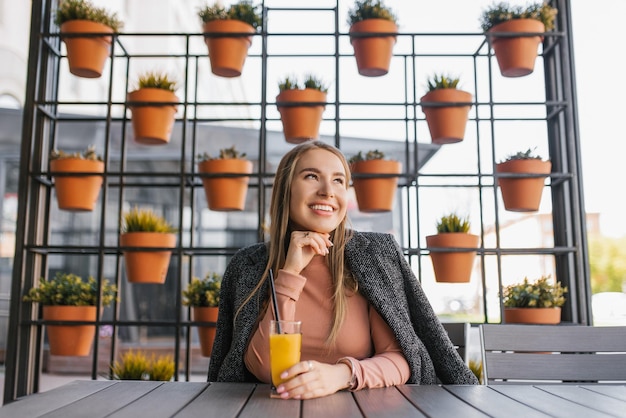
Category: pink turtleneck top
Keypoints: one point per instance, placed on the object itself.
(364, 336)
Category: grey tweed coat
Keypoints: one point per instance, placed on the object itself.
(385, 280)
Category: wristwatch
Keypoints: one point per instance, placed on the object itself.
(348, 361)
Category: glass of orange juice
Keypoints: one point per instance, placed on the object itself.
(285, 344)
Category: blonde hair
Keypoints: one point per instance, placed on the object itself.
(279, 234)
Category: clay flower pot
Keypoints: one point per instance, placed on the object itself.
(153, 115)
(70, 340)
(373, 52)
(523, 194)
(455, 266)
(227, 192)
(227, 53)
(206, 333)
(516, 55)
(77, 193)
(375, 194)
(86, 56)
(301, 113)
(148, 266)
(532, 315)
(446, 112)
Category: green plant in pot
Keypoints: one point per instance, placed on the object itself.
(516, 55)
(153, 107)
(453, 249)
(228, 54)
(536, 302)
(521, 177)
(203, 296)
(67, 297)
(373, 29)
(135, 365)
(446, 108)
(225, 179)
(142, 230)
(86, 55)
(375, 180)
(301, 106)
(76, 192)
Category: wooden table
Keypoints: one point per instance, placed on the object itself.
(135, 399)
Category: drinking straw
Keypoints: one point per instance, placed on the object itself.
(275, 304)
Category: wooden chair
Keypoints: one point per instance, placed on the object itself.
(553, 353)
(458, 333)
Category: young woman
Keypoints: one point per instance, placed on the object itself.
(366, 321)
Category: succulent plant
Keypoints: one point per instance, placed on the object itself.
(370, 155)
(243, 11)
(85, 10)
(143, 220)
(224, 154)
(502, 12)
(538, 294)
(157, 80)
(203, 293)
(310, 82)
(370, 9)
(88, 154)
(524, 155)
(437, 82)
(67, 289)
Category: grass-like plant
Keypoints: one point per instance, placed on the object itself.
(529, 154)
(453, 223)
(145, 220)
(369, 155)
(157, 80)
(224, 154)
(310, 82)
(135, 365)
(503, 12)
(441, 81)
(67, 289)
(85, 10)
(541, 293)
(244, 11)
(370, 9)
(203, 293)
(88, 154)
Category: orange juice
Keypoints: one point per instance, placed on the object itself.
(284, 353)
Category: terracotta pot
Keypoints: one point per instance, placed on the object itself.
(152, 121)
(375, 194)
(78, 193)
(373, 53)
(147, 266)
(532, 315)
(456, 266)
(516, 56)
(226, 193)
(446, 123)
(523, 194)
(86, 56)
(227, 53)
(206, 334)
(301, 119)
(70, 340)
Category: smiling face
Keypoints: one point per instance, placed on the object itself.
(319, 192)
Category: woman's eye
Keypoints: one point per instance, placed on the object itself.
(339, 180)
(310, 176)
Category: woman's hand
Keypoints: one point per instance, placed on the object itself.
(303, 246)
(312, 379)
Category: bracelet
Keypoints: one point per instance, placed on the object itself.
(352, 382)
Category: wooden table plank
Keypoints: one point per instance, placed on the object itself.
(341, 404)
(221, 400)
(385, 403)
(435, 401)
(43, 402)
(548, 403)
(261, 405)
(589, 399)
(614, 391)
(106, 401)
(177, 394)
(492, 402)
